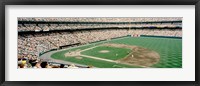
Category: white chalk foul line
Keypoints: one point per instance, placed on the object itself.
(98, 58)
(95, 57)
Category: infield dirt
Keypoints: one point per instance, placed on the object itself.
(138, 56)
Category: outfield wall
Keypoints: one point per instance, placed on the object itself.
(161, 36)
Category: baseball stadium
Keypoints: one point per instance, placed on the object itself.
(99, 42)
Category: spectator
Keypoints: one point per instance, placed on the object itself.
(44, 64)
(62, 65)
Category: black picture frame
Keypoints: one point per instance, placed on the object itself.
(98, 2)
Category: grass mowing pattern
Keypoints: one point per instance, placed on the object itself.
(170, 51)
(121, 52)
(97, 63)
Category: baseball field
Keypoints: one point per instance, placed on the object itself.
(126, 52)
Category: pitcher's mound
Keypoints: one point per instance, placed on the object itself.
(104, 51)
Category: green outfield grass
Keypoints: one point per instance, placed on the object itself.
(170, 51)
(97, 63)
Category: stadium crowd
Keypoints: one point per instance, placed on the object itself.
(99, 19)
(40, 63)
(46, 27)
